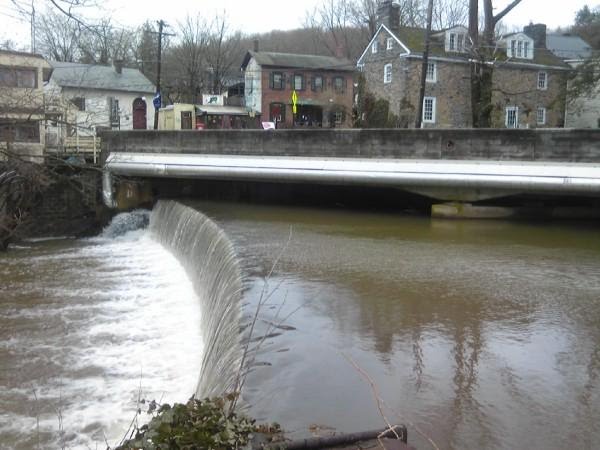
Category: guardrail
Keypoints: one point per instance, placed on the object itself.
(75, 145)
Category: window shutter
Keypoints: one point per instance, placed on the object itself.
(271, 80)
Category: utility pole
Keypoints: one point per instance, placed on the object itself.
(32, 27)
(419, 120)
(161, 24)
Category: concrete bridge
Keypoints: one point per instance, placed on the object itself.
(461, 165)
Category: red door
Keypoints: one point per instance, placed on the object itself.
(139, 114)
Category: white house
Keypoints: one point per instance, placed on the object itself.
(584, 110)
(90, 97)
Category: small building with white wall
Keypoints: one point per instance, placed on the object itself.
(88, 97)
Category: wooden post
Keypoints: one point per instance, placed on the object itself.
(95, 159)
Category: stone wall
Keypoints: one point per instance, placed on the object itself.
(373, 71)
(71, 206)
(518, 87)
(513, 85)
(568, 145)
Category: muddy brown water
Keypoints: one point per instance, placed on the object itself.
(479, 335)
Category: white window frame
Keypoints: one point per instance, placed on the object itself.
(429, 117)
(542, 81)
(541, 116)
(389, 43)
(519, 48)
(460, 42)
(431, 75)
(338, 117)
(387, 73)
(509, 111)
(375, 47)
(452, 42)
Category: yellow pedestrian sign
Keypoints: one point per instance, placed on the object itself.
(294, 101)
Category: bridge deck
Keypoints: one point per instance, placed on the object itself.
(496, 177)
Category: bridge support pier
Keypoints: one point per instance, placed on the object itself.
(131, 194)
(457, 210)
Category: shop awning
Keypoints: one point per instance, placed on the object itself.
(221, 110)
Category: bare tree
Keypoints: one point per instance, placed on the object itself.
(223, 46)
(413, 13)
(482, 49)
(186, 61)
(145, 50)
(365, 14)
(103, 43)
(447, 13)
(57, 36)
(335, 28)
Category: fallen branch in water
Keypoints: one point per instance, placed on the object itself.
(381, 402)
(395, 432)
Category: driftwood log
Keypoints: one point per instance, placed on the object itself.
(340, 439)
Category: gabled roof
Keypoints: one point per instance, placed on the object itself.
(90, 76)
(298, 61)
(413, 40)
(382, 27)
(568, 46)
(26, 54)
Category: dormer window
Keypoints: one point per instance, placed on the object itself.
(456, 42)
(520, 47)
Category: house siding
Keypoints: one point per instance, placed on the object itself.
(25, 105)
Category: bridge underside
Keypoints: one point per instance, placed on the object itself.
(445, 180)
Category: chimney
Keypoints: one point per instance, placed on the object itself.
(256, 46)
(339, 51)
(118, 63)
(538, 33)
(388, 14)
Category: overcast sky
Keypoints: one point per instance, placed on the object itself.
(257, 15)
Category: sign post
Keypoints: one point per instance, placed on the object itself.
(294, 106)
(157, 102)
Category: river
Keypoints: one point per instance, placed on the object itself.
(477, 334)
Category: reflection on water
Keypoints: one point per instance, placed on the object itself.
(483, 334)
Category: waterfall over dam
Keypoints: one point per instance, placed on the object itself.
(484, 334)
(210, 262)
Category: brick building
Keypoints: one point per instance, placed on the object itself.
(323, 86)
(528, 80)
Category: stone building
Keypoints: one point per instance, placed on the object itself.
(323, 88)
(528, 80)
(22, 78)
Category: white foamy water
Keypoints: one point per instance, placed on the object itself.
(87, 329)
